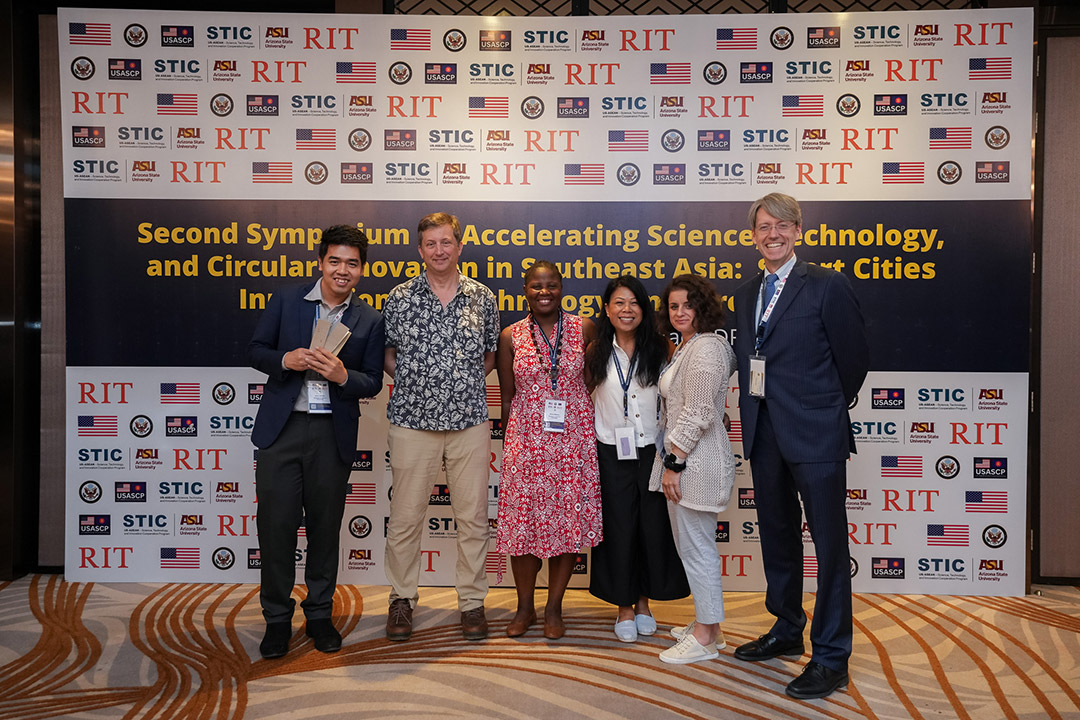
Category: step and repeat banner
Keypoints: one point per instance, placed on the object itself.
(204, 152)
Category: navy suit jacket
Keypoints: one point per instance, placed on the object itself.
(816, 358)
(287, 324)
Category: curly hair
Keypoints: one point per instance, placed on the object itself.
(650, 345)
(703, 300)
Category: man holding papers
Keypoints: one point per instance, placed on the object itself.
(322, 349)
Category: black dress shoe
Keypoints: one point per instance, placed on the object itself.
(816, 681)
(275, 642)
(322, 631)
(766, 647)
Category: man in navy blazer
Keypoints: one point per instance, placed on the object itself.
(802, 353)
(306, 433)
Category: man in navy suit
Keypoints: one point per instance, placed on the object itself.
(802, 354)
(306, 433)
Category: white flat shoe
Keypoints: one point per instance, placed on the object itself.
(646, 624)
(626, 631)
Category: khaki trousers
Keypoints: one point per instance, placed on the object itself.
(416, 456)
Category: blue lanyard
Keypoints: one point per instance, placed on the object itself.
(624, 381)
(553, 348)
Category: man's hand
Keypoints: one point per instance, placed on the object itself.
(320, 360)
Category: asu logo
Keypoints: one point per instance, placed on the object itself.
(994, 97)
(922, 427)
(857, 494)
(454, 169)
(228, 487)
(363, 554)
(191, 520)
(498, 136)
(539, 68)
(224, 66)
(146, 454)
(143, 166)
(857, 66)
(814, 134)
(671, 101)
(991, 564)
(189, 133)
(926, 30)
(991, 394)
(769, 169)
(592, 35)
(360, 101)
(277, 32)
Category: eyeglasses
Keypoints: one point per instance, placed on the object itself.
(782, 227)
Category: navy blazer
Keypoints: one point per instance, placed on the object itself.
(287, 324)
(816, 358)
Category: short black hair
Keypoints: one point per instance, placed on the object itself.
(347, 235)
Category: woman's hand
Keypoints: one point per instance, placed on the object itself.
(670, 483)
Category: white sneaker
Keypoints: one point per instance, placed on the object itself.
(626, 631)
(680, 631)
(689, 650)
(646, 624)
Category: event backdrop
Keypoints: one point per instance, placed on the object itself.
(204, 152)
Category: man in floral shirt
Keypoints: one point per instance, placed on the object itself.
(442, 329)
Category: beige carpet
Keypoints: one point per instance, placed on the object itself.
(191, 651)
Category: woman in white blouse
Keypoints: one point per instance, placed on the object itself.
(696, 468)
(637, 560)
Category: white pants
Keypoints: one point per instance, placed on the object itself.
(695, 538)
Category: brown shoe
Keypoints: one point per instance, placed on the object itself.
(399, 620)
(520, 624)
(473, 624)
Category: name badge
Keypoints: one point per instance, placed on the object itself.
(757, 375)
(318, 396)
(625, 446)
(555, 415)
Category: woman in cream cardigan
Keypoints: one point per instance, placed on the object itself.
(696, 468)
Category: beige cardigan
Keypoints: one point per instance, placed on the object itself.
(692, 418)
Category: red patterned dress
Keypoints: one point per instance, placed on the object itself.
(549, 494)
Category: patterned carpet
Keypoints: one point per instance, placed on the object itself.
(191, 651)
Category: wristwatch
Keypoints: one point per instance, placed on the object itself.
(672, 462)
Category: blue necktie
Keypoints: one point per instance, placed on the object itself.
(767, 292)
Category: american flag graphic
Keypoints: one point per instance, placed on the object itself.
(990, 68)
(947, 535)
(986, 501)
(175, 31)
(271, 172)
(360, 494)
(901, 466)
(89, 34)
(669, 74)
(489, 107)
(179, 393)
(177, 104)
(902, 173)
(803, 106)
(311, 139)
(627, 140)
(809, 566)
(495, 563)
(736, 39)
(583, 174)
(494, 396)
(301, 532)
(410, 39)
(122, 64)
(97, 426)
(255, 459)
(955, 138)
(355, 72)
(735, 433)
(179, 558)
